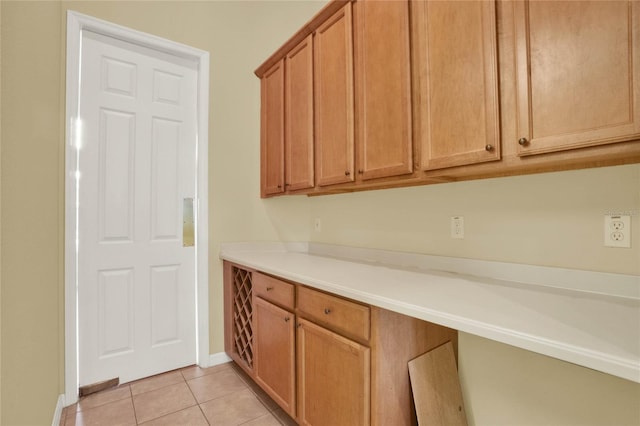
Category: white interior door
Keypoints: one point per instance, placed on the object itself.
(137, 163)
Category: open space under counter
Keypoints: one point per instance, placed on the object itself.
(587, 318)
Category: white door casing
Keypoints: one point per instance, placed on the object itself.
(136, 146)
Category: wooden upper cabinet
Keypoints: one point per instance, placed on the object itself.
(578, 74)
(456, 81)
(382, 61)
(333, 67)
(272, 130)
(299, 117)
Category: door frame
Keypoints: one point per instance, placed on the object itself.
(77, 23)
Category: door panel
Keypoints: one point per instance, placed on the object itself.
(333, 67)
(333, 375)
(299, 116)
(457, 68)
(383, 92)
(272, 129)
(165, 293)
(116, 175)
(165, 219)
(115, 312)
(578, 73)
(136, 283)
(274, 337)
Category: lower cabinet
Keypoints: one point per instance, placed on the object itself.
(274, 365)
(324, 359)
(333, 378)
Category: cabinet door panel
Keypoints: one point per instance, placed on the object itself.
(275, 357)
(456, 67)
(333, 67)
(333, 378)
(383, 88)
(299, 117)
(272, 131)
(578, 73)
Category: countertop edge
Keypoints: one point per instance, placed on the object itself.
(627, 368)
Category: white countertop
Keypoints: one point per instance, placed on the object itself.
(587, 318)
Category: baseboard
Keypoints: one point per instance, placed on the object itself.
(58, 413)
(218, 358)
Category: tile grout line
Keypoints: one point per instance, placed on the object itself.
(250, 387)
(196, 399)
(135, 414)
(172, 412)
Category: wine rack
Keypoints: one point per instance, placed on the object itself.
(242, 316)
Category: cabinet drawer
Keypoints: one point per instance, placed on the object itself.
(273, 290)
(348, 318)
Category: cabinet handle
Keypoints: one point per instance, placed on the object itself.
(299, 325)
(360, 172)
(279, 186)
(347, 173)
(269, 288)
(286, 319)
(523, 142)
(287, 184)
(488, 148)
(327, 311)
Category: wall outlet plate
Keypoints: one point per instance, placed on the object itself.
(617, 231)
(457, 227)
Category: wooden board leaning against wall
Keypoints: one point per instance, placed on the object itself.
(517, 88)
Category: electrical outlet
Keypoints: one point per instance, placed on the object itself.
(617, 231)
(317, 225)
(457, 227)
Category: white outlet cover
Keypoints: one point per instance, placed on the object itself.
(617, 231)
(457, 227)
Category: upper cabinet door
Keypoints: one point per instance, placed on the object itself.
(456, 78)
(333, 67)
(578, 73)
(299, 117)
(272, 130)
(383, 88)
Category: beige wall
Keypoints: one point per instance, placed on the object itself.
(0, 216)
(239, 35)
(552, 219)
(31, 221)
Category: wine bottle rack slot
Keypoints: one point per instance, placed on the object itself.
(242, 315)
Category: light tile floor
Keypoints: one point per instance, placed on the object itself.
(222, 395)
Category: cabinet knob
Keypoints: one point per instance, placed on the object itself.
(523, 142)
(286, 319)
(360, 172)
(279, 186)
(488, 148)
(287, 184)
(269, 288)
(347, 173)
(327, 311)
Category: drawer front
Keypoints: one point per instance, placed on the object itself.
(343, 316)
(273, 290)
